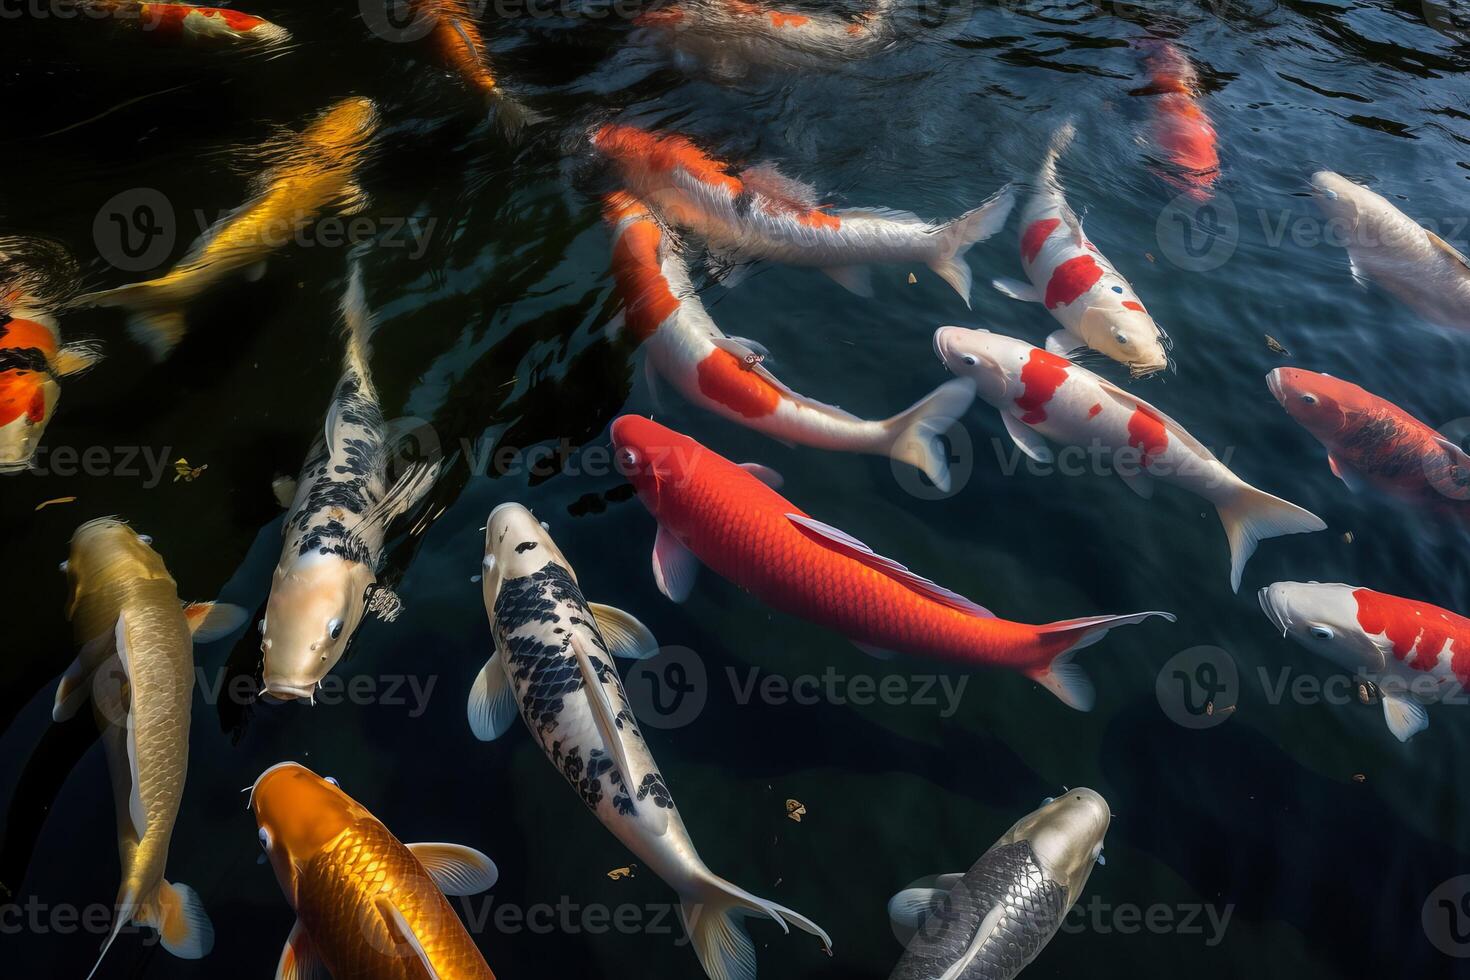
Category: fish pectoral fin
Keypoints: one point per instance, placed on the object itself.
(136, 810)
(625, 636)
(299, 960)
(492, 705)
(456, 869)
(1405, 718)
(754, 346)
(1449, 250)
(1016, 289)
(75, 358)
(606, 718)
(1138, 481)
(752, 360)
(71, 691)
(284, 488)
(1345, 473)
(210, 621)
(850, 547)
(1027, 439)
(256, 272)
(1359, 276)
(987, 926)
(856, 279)
(909, 909)
(403, 933)
(411, 487)
(674, 566)
(1064, 343)
(877, 653)
(764, 474)
(650, 375)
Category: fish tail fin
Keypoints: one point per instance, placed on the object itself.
(512, 116)
(155, 314)
(914, 434)
(358, 325)
(1249, 515)
(1066, 679)
(712, 909)
(974, 226)
(1046, 174)
(126, 908)
(177, 912)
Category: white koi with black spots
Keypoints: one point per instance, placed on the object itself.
(336, 523)
(553, 667)
(1042, 396)
(1095, 305)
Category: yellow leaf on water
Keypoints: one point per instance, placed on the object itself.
(56, 500)
(795, 809)
(617, 874)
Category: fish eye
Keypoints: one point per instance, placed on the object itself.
(333, 781)
(265, 838)
(146, 538)
(334, 629)
(63, 566)
(1121, 338)
(1118, 290)
(628, 457)
(1309, 399)
(969, 359)
(1321, 632)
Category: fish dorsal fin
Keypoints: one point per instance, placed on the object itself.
(299, 960)
(767, 179)
(1133, 403)
(136, 810)
(456, 869)
(1074, 226)
(883, 214)
(612, 736)
(752, 360)
(987, 926)
(850, 547)
(399, 928)
(411, 487)
(1449, 250)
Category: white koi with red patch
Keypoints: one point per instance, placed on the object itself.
(1041, 396)
(1095, 305)
(725, 375)
(1413, 652)
(762, 214)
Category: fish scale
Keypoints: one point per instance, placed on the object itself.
(337, 903)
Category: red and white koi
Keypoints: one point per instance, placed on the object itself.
(1095, 305)
(1414, 653)
(760, 213)
(183, 23)
(1041, 396)
(1181, 131)
(728, 37)
(725, 375)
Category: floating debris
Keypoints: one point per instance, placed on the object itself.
(795, 809)
(1276, 347)
(913, 278)
(1150, 256)
(55, 500)
(1359, 778)
(1368, 692)
(183, 471)
(618, 874)
(1347, 537)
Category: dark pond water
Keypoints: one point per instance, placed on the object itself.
(1319, 835)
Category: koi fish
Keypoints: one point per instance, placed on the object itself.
(1182, 130)
(1095, 305)
(1413, 652)
(367, 906)
(760, 213)
(1422, 270)
(135, 662)
(553, 666)
(318, 174)
(725, 515)
(1042, 396)
(189, 24)
(725, 375)
(32, 359)
(457, 41)
(990, 922)
(731, 36)
(1372, 443)
(337, 517)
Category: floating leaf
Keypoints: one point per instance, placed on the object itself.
(795, 809)
(618, 874)
(913, 278)
(183, 471)
(55, 500)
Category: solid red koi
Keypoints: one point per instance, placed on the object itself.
(1042, 375)
(1147, 433)
(1035, 237)
(725, 379)
(1071, 279)
(1416, 628)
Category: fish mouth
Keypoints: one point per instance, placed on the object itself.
(17, 466)
(1273, 382)
(280, 693)
(1278, 617)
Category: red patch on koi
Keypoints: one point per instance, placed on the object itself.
(637, 148)
(1094, 410)
(647, 299)
(724, 378)
(779, 19)
(1071, 279)
(1035, 237)
(1411, 625)
(1147, 433)
(1129, 304)
(1042, 375)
